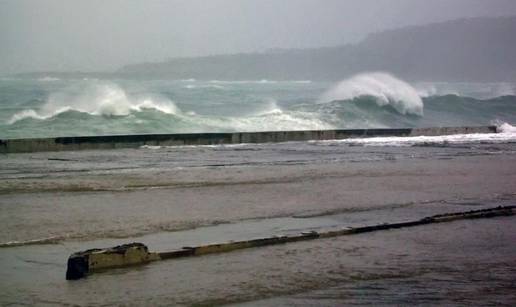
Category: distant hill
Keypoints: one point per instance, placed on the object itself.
(478, 49)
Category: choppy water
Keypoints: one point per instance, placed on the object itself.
(71, 107)
(88, 195)
(56, 203)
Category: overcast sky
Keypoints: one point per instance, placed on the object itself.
(106, 34)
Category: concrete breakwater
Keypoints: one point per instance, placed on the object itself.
(135, 141)
(83, 263)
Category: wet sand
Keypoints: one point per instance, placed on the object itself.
(175, 197)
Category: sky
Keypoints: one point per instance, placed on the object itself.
(103, 35)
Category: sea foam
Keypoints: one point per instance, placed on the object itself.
(107, 99)
(385, 88)
(505, 133)
(48, 79)
(269, 118)
(505, 128)
(95, 98)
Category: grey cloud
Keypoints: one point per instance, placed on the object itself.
(106, 34)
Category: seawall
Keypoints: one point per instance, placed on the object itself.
(135, 141)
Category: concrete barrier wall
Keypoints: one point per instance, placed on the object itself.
(83, 263)
(135, 141)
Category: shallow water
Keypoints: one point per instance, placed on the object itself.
(180, 196)
(123, 193)
(466, 262)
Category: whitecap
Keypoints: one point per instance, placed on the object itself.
(95, 98)
(505, 133)
(48, 79)
(30, 113)
(203, 86)
(505, 128)
(385, 88)
(271, 107)
(164, 107)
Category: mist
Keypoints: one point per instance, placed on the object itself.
(62, 35)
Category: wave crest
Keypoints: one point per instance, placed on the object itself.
(383, 87)
(502, 127)
(105, 99)
(204, 86)
(276, 120)
(271, 107)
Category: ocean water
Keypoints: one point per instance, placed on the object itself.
(55, 203)
(49, 106)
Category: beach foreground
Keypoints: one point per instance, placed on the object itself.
(56, 203)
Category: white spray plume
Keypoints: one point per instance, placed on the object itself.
(385, 88)
(96, 98)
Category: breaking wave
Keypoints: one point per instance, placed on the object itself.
(119, 110)
(505, 128)
(505, 134)
(383, 87)
(369, 100)
(268, 117)
(95, 99)
(271, 107)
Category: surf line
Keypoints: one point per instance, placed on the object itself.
(83, 263)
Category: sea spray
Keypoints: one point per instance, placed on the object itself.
(30, 108)
(383, 87)
(95, 98)
(505, 128)
(204, 86)
(270, 107)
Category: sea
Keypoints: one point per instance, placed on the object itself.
(50, 107)
(53, 204)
